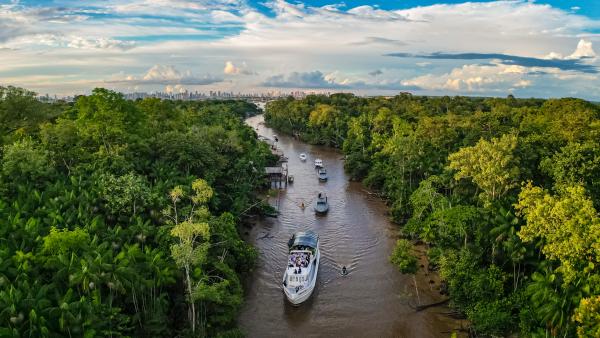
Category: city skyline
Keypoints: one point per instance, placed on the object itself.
(487, 48)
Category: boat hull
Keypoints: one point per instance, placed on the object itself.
(300, 297)
(321, 211)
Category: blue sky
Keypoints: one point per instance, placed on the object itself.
(519, 47)
(590, 7)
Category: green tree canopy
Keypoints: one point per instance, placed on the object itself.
(489, 164)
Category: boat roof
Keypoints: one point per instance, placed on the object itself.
(306, 238)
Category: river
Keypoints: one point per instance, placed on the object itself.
(373, 300)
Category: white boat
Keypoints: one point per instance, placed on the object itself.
(318, 163)
(300, 276)
(303, 157)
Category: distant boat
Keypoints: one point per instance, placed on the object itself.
(321, 204)
(300, 276)
(322, 174)
(290, 179)
(275, 138)
(303, 157)
(318, 163)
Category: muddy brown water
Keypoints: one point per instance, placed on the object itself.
(373, 300)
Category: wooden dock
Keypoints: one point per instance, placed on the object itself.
(278, 175)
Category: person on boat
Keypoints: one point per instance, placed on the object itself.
(302, 206)
(344, 270)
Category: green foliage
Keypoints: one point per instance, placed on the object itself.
(403, 258)
(329, 121)
(106, 118)
(21, 113)
(85, 250)
(576, 164)
(467, 283)
(587, 315)
(124, 194)
(65, 241)
(24, 161)
(491, 165)
(492, 318)
(568, 225)
(450, 169)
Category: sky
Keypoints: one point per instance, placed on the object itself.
(485, 48)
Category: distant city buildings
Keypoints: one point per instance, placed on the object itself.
(195, 95)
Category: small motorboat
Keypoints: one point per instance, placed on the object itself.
(322, 173)
(275, 138)
(303, 157)
(321, 204)
(319, 163)
(290, 179)
(300, 276)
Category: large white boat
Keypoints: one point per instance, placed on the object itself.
(318, 163)
(300, 276)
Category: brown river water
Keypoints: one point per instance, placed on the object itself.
(373, 300)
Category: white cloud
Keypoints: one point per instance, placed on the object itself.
(523, 83)
(475, 78)
(175, 89)
(99, 43)
(583, 50)
(335, 80)
(297, 37)
(231, 69)
(164, 75)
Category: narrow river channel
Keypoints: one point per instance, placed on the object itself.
(373, 300)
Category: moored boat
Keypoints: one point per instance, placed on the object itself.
(319, 163)
(322, 173)
(300, 276)
(321, 204)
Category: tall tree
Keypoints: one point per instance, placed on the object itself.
(489, 164)
(192, 233)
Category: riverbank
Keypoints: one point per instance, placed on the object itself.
(373, 300)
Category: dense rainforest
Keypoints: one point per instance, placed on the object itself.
(504, 193)
(120, 218)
